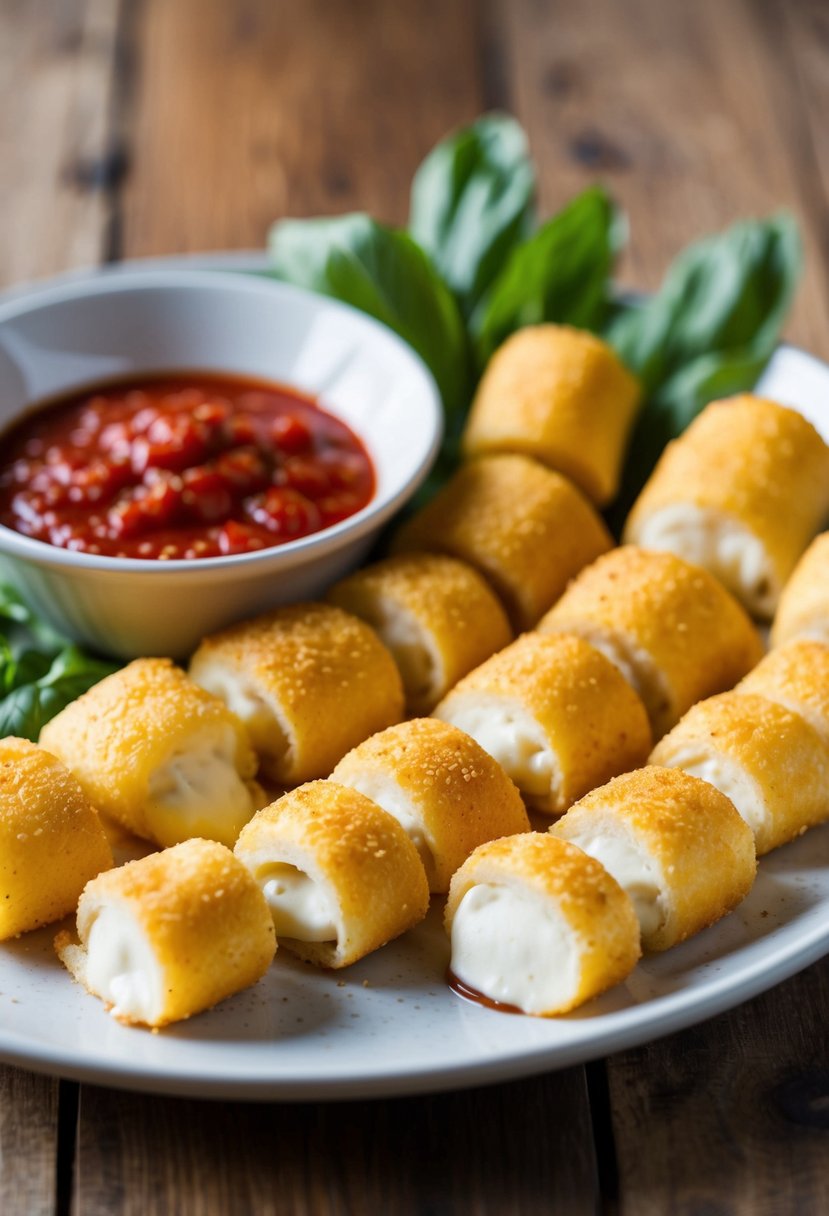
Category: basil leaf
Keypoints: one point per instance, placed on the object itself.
(560, 274)
(30, 705)
(727, 293)
(707, 333)
(12, 607)
(385, 274)
(472, 203)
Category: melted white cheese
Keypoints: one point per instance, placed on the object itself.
(512, 736)
(247, 701)
(719, 543)
(301, 909)
(729, 778)
(198, 792)
(386, 793)
(513, 947)
(413, 651)
(121, 967)
(635, 871)
(636, 665)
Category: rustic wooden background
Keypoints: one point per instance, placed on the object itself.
(157, 126)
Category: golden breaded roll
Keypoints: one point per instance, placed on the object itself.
(441, 786)
(167, 936)
(675, 844)
(770, 762)
(563, 396)
(51, 840)
(340, 875)
(526, 529)
(309, 681)
(672, 630)
(803, 610)
(436, 615)
(158, 754)
(795, 675)
(537, 925)
(741, 492)
(556, 714)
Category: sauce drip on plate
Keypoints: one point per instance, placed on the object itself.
(478, 998)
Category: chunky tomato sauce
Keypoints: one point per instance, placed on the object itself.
(180, 466)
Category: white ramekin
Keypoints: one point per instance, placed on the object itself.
(62, 337)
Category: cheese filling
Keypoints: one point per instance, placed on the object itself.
(409, 643)
(513, 737)
(248, 702)
(386, 793)
(729, 778)
(301, 909)
(719, 543)
(636, 665)
(121, 967)
(198, 792)
(635, 872)
(513, 947)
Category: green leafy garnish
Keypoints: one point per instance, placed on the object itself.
(472, 203)
(385, 274)
(40, 672)
(560, 274)
(476, 268)
(708, 332)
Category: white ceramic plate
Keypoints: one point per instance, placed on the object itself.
(389, 1025)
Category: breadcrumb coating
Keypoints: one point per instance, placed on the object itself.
(563, 396)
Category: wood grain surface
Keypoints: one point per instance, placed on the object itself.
(134, 127)
(524, 1149)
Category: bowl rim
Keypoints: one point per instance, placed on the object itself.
(66, 289)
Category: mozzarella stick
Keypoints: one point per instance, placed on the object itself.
(563, 396)
(672, 630)
(556, 714)
(442, 787)
(795, 675)
(436, 615)
(537, 925)
(159, 755)
(526, 529)
(170, 935)
(741, 492)
(803, 610)
(309, 681)
(675, 844)
(51, 840)
(340, 875)
(769, 761)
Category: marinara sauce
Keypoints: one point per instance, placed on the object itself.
(189, 465)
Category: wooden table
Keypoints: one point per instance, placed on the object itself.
(129, 129)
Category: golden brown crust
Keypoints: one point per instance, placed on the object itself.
(593, 903)
(701, 849)
(782, 756)
(203, 916)
(526, 529)
(561, 395)
(753, 460)
(329, 676)
(803, 610)
(796, 675)
(119, 732)
(442, 600)
(595, 723)
(51, 840)
(459, 795)
(357, 851)
(658, 608)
